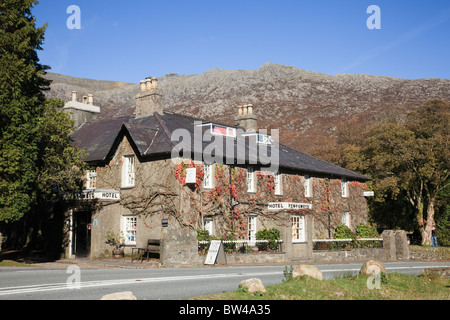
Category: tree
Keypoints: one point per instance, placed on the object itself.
(409, 157)
(59, 162)
(430, 125)
(38, 161)
(21, 105)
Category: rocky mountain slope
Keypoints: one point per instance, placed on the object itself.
(305, 106)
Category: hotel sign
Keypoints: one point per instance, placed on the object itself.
(288, 206)
(97, 194)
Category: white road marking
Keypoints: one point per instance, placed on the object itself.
(104, 283)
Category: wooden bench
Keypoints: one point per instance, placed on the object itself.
(153, 246)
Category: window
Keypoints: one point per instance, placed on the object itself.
(252, 230)
(263, 138)
(91, 179)
(344, 188)
(128, 171)
(298, 228)
(208, 177)
(278, 182)
(129, 229)
(346, 218)
(307, 185)
(223, 131)
(208, 225)
(251, 181)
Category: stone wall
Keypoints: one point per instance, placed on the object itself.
(429, 253)
(349, 255)
(179, 247)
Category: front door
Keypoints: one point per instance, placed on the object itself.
(81, 233)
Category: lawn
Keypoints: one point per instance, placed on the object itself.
(395, 286)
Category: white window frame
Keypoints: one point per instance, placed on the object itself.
(344, 188)
(208, 225)
(128, 171)
(298, 225)
(91, 179)
(129, 229)
(252, 228)
(208, 182)
(251, 180)
(346, 218)
(230, 132)
(308, 187)
(278, 184)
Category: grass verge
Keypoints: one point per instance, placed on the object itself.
(427, 286)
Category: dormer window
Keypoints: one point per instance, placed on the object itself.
(223, 130)
(263, 138)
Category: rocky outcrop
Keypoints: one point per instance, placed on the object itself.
(305, 106)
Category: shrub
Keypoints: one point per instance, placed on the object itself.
(366, 231)
(344, 232)
(203, 235)
(272, 235)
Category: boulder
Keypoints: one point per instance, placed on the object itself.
(372, 267)
(307, 270)
(126, 295)
(253, 285)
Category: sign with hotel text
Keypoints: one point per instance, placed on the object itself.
(98, 194)
(288, 206)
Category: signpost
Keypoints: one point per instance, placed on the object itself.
(216, 253)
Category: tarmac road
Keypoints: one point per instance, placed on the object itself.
(75, 283)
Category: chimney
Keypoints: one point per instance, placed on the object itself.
(74, 96)
(85, 99)
(91, 99)
(149, 99)
(246, 118)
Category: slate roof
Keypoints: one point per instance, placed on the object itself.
(150, 136)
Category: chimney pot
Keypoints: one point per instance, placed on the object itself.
(239, 111)
(91, 99)
(245, 110)
(154, 83)
(143, 86)
(249, 109)
(85, 99)
(148, 83)
(74, 96)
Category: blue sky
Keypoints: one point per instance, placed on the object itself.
(130, 40)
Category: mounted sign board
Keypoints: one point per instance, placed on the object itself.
(288, 206)
(216, 253)
(369, 194)
(97, 194)
(191, 175)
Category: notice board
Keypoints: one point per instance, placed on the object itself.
(216, 253)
